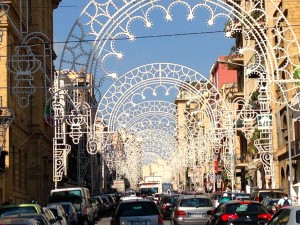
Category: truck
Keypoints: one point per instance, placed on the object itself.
(119, 185)
(150, 186)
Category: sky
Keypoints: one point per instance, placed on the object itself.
(197, 47)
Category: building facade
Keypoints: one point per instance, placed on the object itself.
(26, 69)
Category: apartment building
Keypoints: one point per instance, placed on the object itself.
(26, 70)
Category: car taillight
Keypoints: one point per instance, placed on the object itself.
(164, 206)
(257, 199)
(266, 216)
(160, 219)
(226, 217)
(180, 213)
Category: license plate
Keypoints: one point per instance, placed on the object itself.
(138, 223)
(195, 215)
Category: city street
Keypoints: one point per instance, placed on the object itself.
(106, 221)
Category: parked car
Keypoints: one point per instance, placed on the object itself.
(166, 204)
(21, 209)
(96, 208)
(288, 216)
(261, 194)
(57, 219)
(192, 210)
(101, 205)
(45, 219)
(71, 212)
(80, 197)
(270, 204)
(108, 205)
(59, 212)
(142, 211)
(239, 212)
(19, 221)
(112, 201)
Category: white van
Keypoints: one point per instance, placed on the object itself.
(80, 197)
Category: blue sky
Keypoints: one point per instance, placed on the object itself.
(198, 51)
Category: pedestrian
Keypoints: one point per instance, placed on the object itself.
(284, 201)
(224, 198)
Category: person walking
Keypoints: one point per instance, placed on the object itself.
(284, 201)
(225, 198)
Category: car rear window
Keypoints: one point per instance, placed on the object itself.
(241, 207)
(74, 196)
(195, 202)
(137, 209)
(270, 194)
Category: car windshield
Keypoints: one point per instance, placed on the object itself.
(137, 209)
(195, 202)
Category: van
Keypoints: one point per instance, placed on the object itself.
(80, 197)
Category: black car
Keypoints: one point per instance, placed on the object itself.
(166, 204)
(239, 212)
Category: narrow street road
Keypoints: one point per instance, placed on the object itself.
(106, 221)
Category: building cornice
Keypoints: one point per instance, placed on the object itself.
(55, 3)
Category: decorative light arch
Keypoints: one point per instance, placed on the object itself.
(110, 20)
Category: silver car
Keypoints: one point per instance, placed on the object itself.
(191, 210)
(289, 215)
(137, 212)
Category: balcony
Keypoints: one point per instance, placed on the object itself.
(240, 160)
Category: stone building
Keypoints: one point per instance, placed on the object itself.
(285, 130)
(26, 70)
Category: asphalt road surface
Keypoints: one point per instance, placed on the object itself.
(106, 221)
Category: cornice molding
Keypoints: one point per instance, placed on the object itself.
(55, 3)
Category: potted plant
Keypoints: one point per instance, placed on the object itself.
(251, 149)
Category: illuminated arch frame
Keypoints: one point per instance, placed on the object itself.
(114, 16)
